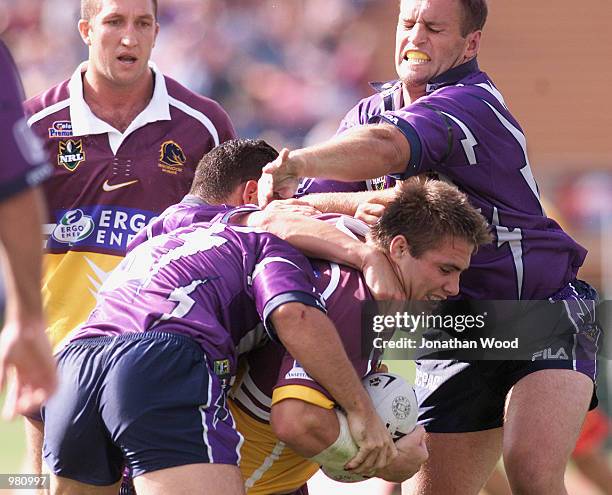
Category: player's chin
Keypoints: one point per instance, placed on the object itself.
(412, 74)
(126, 76)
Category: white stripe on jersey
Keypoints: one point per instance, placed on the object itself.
(196, 241)
(488, 86)
(259, 267)
(265, 465)
(253, 339)
(196, 114)
(45, 112)
(350, 226)
(239, 395)
(181, 296)
(203, 414)
(240, 437)
(333, 283)
(520, 137)
(249, 384)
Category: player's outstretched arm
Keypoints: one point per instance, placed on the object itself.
(348, 203)
(311, 338)
(319, 239)
(360, 153)
(25, 352)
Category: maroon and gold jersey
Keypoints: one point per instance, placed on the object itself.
(107, 185)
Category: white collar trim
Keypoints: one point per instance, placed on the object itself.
(84, 122)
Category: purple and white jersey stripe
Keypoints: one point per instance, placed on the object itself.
(190, 210)
(210, 282)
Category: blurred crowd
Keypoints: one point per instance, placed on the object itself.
(285, 70)
(278, 67)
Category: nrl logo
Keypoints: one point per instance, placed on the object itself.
(70, 154)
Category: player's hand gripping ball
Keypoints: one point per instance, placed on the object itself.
(395, 402)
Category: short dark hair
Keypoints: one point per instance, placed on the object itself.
(474, 15)
(89, 8)
(426, 212)
(230, 164)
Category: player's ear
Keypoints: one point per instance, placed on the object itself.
(249, 193)
(473, 44)
(85, 31)
(399, 247)
(156, 33)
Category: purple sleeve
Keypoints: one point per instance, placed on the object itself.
(23, 162)
(406, 124)
(282, 275)
(346, 292)
(434, 131)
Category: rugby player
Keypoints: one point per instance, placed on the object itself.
(143, 381)
(25, 352)
(428, 266)
(125, 140)
(445, 117)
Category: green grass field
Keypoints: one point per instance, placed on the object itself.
(12, 444)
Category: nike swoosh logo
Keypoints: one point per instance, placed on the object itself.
(108, 188)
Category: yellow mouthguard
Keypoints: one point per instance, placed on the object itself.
(413, 55)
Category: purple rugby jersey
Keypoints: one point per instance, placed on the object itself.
(23, 161)
(344, 290)
(190, 210)
(462, 131)
(210, 282)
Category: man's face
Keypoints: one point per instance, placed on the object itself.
(435, 274)
(121, 36)
(429, 40)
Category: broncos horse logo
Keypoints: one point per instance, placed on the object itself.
(171, 154)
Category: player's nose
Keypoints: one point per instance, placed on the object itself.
(418, 34)
(129, 37)
(451, 287)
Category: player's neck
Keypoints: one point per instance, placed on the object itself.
(116, 105)
(412, 94)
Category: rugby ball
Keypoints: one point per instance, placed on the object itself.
(395, 402)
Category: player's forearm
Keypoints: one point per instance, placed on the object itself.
(412, 453)
(315, 238)
(20, 235)
(363, 152)
(310, 337)
(345, 203)
(401, 469)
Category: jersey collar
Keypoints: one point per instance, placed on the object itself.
(387, 89)
(453, 76)
(84, 122)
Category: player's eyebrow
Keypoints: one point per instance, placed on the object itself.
(453, 267)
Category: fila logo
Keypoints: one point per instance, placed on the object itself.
(548, 354)
(108, 187)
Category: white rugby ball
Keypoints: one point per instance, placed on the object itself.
(396, 403)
